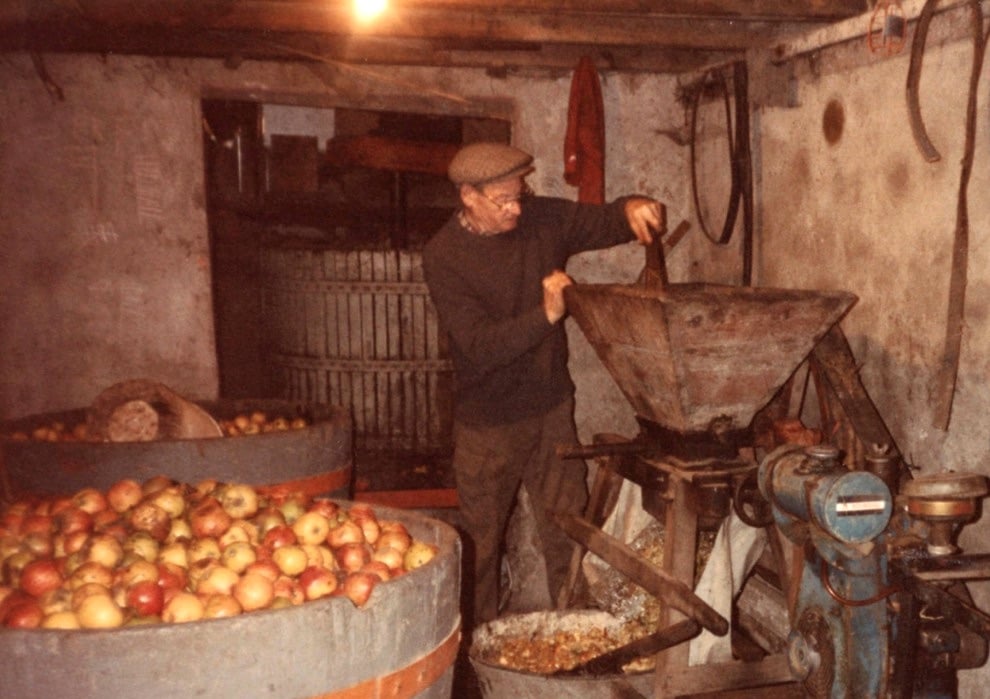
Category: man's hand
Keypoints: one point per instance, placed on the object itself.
(645, 217)
(553, 295)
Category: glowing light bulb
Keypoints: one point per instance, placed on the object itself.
(367, 10)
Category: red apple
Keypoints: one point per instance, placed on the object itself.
(278, 536)
(25, 614)
(171, 577)
(317, 582)
(352, 556)
(378, 568)
(358, 587)
(145, 597)
(124, 494)
(209, 518)
(347, 532)
(40, 576)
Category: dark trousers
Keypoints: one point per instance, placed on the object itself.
(489, 464)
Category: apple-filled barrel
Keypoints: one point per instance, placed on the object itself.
(398, 638)
(314, 456)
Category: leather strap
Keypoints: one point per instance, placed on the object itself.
(407, 681)
(948, 369)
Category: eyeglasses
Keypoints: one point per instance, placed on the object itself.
(504, 203)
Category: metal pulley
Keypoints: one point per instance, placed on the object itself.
(945, 501)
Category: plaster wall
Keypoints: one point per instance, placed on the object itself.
(868, 214)
(106, 271)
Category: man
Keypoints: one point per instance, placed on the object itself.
(495, 276)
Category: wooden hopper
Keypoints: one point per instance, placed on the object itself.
(688, 355)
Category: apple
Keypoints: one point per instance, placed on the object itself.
(352, 556)
(149, 517)
(60, 504)
(104, 549)
(203, 548)
(209, 518)
(137, 571)
(14, 564)
(90, 572)
(378, 568)
(292, 508)
(290, 559)
(347, 532)
(40, 524)
(40, 545)
(311, 528)
(221, 607)
(358, 586)
(172, 499)
(419, 554)
(289, 588)
(204, 487)
(57, 600)
(156, 483)
(278, 536)
(174, 553)
(171, 576)
(124, 494)
(239, 530)
(239, 500)
(396, 539)
(40, 576)
(90, 500)
(183, 607)
(142, 544)
(268, 518)
(317, 582)
(179, 530)
(25, 614)
(219, 580)
(238, 556)
(65, 620)
(254, 591)
(266, 569)
(145, 597)
(389, 556)
(99, 612)
(327, 508)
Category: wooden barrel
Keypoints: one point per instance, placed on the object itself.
(316, 459)
(357, 328)
(401, 644)
(499, 682)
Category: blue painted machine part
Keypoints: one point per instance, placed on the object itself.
(852, 506)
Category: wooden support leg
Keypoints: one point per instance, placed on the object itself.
(679, 552)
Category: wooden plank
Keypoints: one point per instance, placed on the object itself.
(715, 677)
(408, 499)
(394, 154)
(638, 569)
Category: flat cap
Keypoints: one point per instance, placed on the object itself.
(481, 163)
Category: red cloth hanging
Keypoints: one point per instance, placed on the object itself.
(584, 143)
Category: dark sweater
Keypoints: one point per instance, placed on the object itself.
(510, 363)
